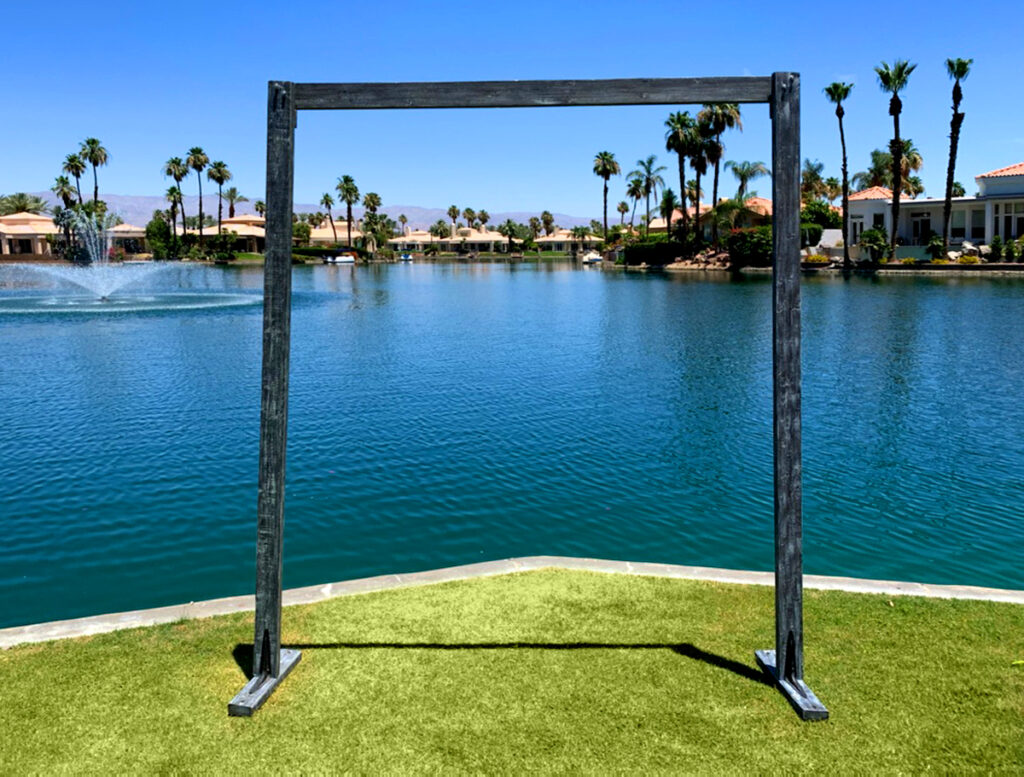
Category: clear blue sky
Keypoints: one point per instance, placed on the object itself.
(152, 79)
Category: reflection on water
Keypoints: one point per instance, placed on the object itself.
(443, 414)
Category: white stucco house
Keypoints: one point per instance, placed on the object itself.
(998, 209)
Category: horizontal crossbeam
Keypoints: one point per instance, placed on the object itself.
(533, 94)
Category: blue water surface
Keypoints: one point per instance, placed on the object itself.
(445, 414)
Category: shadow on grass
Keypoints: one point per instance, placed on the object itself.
(243, 652)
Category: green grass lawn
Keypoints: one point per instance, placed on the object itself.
(541, 671)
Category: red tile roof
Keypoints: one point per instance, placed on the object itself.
(874, 193)
(1017, 169)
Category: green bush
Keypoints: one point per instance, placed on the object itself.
(301, 233)
(1009, 251)
(965, 259)
(908, 260)
(876, 242)
(751, 247)
(817, 259)
(657, 252)
(936, 248)
(158, 236)
(997, 249)
(820, 213)
(810, 235)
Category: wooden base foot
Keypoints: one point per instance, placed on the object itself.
(802, 698)
(259, 688)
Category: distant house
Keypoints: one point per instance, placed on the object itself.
(758, 212)
(562, 241)
(998, 209)
(26, 235)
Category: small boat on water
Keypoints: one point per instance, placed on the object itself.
(406, 257)
(591, 257)
(340, 259)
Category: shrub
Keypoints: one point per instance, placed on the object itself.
(876, 242)
(1009, 251)
(158, 236)
(751, 247)
(820, 213)
(936, 248)
(965, 259)
(817, 259)
(654, 253)
(810, 234)
(940, 261)
(997, 249)
(908, 260)
(301, 233)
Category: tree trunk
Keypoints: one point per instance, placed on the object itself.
(682, 187)
(348, 213)
(697, 232)
(954, 142)
(632, 215)
(896, 151)
(606, 208)
(220, 209)
(200, 177)
(714, 199)
(846, 193)
(95, 189)
(333, 230)
(647, 218)
(78, 188)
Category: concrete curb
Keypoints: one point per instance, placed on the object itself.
(101, 624)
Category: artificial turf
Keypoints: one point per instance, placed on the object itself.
(548, 671)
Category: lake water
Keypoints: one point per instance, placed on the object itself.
(446, 414)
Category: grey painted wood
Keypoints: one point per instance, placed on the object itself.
(274, 400)
(807, 705)
(523, 94)
(785, 108)
(259, 688)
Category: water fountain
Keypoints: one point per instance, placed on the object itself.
(102, 285)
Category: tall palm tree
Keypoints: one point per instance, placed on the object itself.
(535, 227)
(635, 191)
(812, 181)
(371, 202)
(348, 192)
(219, 174)
(713, 152)
(605, 167)
(197, 160)
(893, 79)
(328, 202)
(483, 217)
(879, 172)
(719, 117)
(680, 125)
(910, 161)
(623, 209)
(651, 178)
(470, 216)
(508, 229)
(453, 214)
(176, 168)
(958, 70)
(697, 148)
(547, 220)
(260, 207)
(833, 188)
(836, 92)
(669, 203)
(233, 197)
(96, 155)
(745, 172)
(402, 219)
(693, 193)
(64, 190)
(173, 195)
(74, 166)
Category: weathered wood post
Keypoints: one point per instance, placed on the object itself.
(270, 663)
(786, 663)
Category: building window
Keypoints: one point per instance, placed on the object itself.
(958, 224)
(856, 228)
(977, 225)
(878, 221)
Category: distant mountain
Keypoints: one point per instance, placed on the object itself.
(138, 209)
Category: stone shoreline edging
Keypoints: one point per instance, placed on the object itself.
(102, 624)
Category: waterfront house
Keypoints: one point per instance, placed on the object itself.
(997, 209)
(562, 241)
(26, 235)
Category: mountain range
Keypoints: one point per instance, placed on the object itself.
(138, 209)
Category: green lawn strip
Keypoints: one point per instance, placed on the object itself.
(517, 673)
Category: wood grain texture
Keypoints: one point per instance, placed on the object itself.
(786, 373)
(525, 94)
(274, 399)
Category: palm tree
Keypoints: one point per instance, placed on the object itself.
(328, 202)
(579, 237)
(469, 215)
(958, 70)
(19, 202)
(693, 193)
(680, 125)
(175, 168)
(197, 160)
(651, 178)
(348, 192)
(508, 229)
(635, 191)
(74, 166)
(879, 172)
(892, 80)
(910, 160)
(260, 207)
(812, 184)
(64, 190)
(913, 186)
(483, 217)
(219, 174)
(605, 167)
(453, 214)
(697, 148)
(669, 203)
(371, 202)
(836, 92)
(623, 209)
(173, 195)
(93, 152)
(402, 219)
(833, 188)
(548, 222)
(719, 117)
(713, 153)
(233, 197)
(535, 227)
(745, 172)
